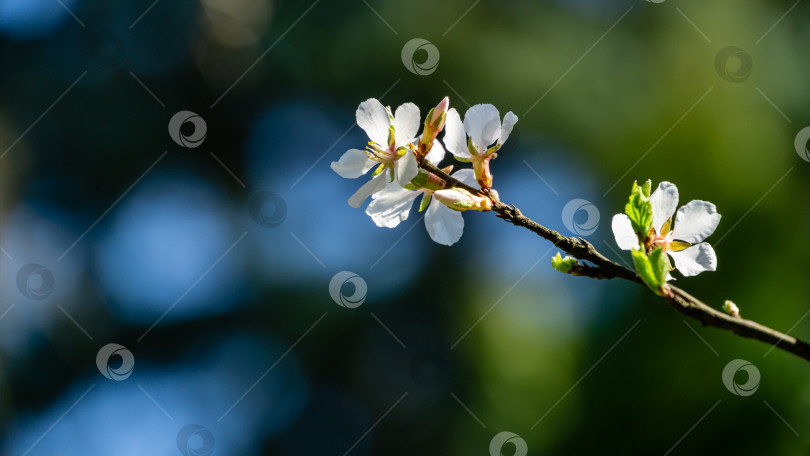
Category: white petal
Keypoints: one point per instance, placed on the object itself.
(626, 238)
(407, 168)
(391, 205)
(695, 221)
(353, 164)
(509, 121)
(436, 154)
(694, 260)
(483, 125)
(443, 224)
(369, 188)
(373, 118)
(455, 139)
(467, 176)
(406, 123)
(664, 202)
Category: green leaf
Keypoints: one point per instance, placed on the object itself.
(645, 189)
(639, 209)
(425, 201)
(660, 264)
(652, 269)
(563, 265)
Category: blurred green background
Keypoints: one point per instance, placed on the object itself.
(211, 264)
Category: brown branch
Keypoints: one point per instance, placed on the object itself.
(604, 268)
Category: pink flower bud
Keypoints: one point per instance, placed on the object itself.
(439, 109)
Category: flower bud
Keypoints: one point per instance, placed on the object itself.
(439, 111)
(426, 180)
(481, 167)
(565, 265)
(434, 123)
(462, 200)
(731, 309)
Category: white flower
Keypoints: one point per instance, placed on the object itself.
(390, 146)
(393, 204)
(482, 123)
(681, 239)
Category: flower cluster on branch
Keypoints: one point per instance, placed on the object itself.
(397, 151)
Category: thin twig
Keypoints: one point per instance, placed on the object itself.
(604, 268)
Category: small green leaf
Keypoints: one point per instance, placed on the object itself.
(563, 265)
(652, 269)
(425, 201)
(639, 209)
(645, 189)
(660, 264)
